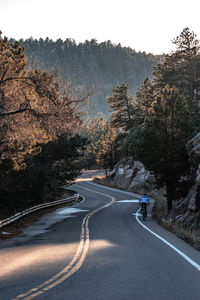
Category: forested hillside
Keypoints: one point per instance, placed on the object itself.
(92, 64)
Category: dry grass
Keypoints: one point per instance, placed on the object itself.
(191, 236)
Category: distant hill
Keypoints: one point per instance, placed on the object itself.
(91, 63)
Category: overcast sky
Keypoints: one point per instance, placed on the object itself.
(143, 25)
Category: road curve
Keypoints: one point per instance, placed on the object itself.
(101, 252)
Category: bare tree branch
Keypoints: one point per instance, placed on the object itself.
(2, 82)
(13, 112)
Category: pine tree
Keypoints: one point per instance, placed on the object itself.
(144, 99)
(93, 131)
(122, 106)
(105, 148)
(160, 143)
(182, 68)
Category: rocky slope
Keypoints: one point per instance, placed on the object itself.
(184, 218)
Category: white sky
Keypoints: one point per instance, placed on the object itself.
(143, 25)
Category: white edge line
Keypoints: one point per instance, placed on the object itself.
(127, 201)
(192, 262)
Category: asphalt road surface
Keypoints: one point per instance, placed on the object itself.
(100, 249)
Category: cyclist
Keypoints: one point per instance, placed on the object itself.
(143, 202)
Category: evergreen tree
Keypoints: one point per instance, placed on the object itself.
(182, 68)
(105, 148)
(144, 99)
(160, 143)
(93, 132)
(122, 106)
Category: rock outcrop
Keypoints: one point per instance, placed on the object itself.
(187, 210)
(184, 219)
(132, 175)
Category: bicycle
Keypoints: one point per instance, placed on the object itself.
(143, 210)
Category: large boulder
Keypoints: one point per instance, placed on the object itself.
(123, 173)
(193, 148)
(191, 210)
(143, 181)
(132, 175)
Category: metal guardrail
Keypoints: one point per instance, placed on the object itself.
(25, 212)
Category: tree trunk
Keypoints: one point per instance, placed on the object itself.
(106, 170)
(170, 193)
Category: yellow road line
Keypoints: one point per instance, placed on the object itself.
(77, 260)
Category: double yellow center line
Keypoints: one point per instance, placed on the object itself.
(77, 260)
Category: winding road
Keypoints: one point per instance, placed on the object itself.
(100, 249)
